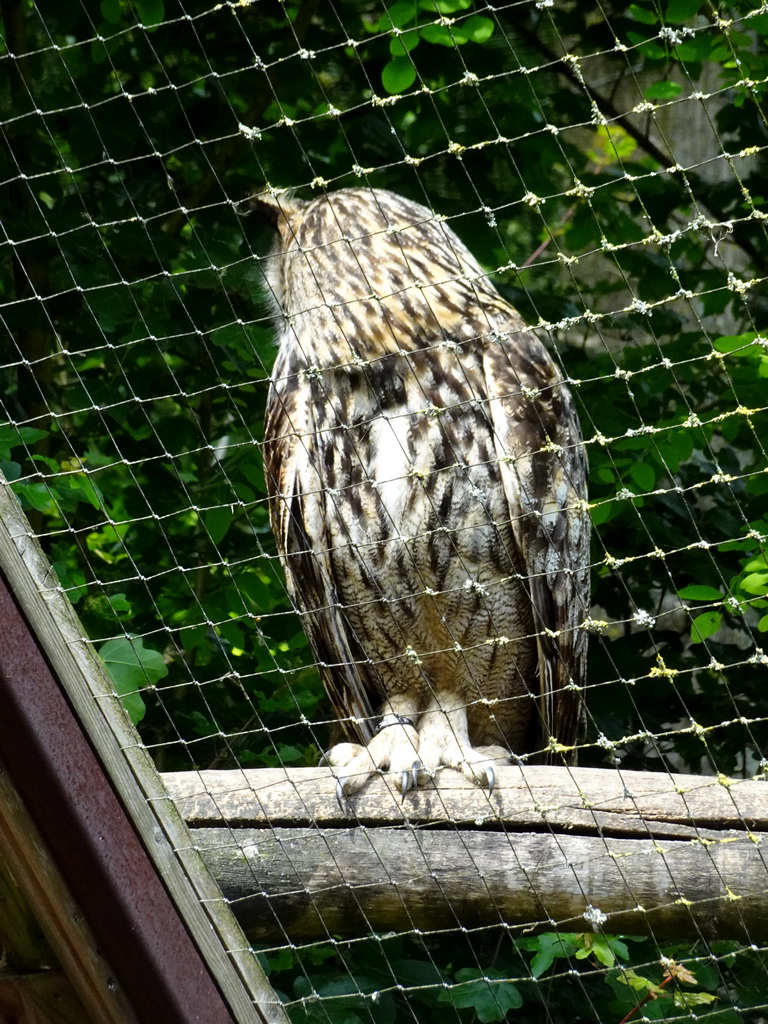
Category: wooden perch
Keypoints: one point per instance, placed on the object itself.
(634, 852)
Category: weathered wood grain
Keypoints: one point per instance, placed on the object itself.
(668, 855)
(306, 883)
(587, 800)
(34, 904)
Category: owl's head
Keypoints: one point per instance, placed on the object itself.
(370, 267)
(285, 213)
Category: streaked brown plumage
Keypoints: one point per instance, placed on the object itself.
(428, 487)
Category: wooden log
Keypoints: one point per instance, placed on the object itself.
(636, 852)
(590, 800)
(300, 884)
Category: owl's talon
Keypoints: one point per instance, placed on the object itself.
(410, 779)
(490, 775)
(340, 795)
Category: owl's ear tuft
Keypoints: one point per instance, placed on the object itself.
(274, 207)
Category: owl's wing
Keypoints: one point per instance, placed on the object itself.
(299, 519)
(544, 472)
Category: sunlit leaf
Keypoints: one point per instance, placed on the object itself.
(663, 91)
(704, 625)
(755, 583)
(699, 592)
(478, 29)
(643, 14)
(398, 75)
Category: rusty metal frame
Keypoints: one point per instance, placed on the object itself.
(92, 840)
(99, 806)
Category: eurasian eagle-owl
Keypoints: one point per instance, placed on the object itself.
(427, 481)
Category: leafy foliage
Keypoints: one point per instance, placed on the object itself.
(388, 978)
(139, 336)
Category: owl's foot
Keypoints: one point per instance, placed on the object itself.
(478, 764)
(395, 749)
(444, 741)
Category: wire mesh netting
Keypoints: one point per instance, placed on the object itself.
(605, 165)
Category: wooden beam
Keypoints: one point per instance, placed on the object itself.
(638, 852)
(596, 800)
(310, 883)
(42, 997)
(37, 914)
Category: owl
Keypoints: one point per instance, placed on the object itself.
(427, 484)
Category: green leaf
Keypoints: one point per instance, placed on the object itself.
(763, 624)
(440, 35)
(757, 564)
(698, 592)
(674, 448)
(445, 6)
(78, 487)
(685, 1000)
(743, 544)
(193, 636)
(490, 1002)
(402, 45)
(643, 475)
(132, 667)
(704, 626)
(755, 583)
(288, 754)
(696, 49)
(543, 961)
(477, 29)
(218, 521)
(13, 437)
(740, 345)
(681, 10)
(550, 945)
(663, 91)
(72, 580)
(599, 947)
(110, 10)
(419, 974)
(119, 604)
(637, 982)
(151, 12)
(37, 495)
(604, 512)
(642, 15)
(398, 75)
(618, 947)
(398, 15)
